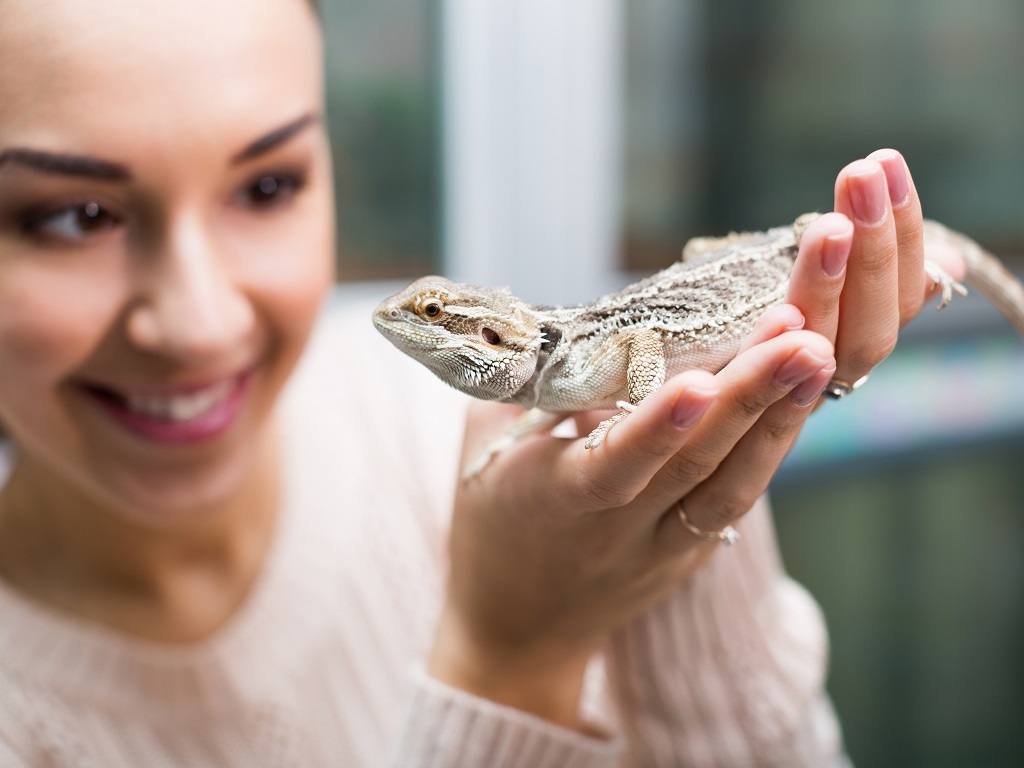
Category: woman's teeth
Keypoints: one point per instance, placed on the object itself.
(181, 407)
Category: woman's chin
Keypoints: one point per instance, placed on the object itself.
(184, 493)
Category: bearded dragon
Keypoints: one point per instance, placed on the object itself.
(617, 350)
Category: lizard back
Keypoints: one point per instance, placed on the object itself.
(701, 307)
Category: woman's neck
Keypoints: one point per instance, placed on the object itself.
(173, 584)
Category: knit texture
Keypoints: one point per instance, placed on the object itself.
(322, 665)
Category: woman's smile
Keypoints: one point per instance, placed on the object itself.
(172, 415)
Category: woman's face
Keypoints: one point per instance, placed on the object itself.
(165, 238)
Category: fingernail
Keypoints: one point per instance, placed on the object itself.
(687, 410)
(867, 196)
(791, 317)
(809, 391)
(896, 177)
(835, 252)
(800, 366)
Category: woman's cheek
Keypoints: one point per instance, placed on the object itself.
(38, 331)
(293, 276)
(48, 328)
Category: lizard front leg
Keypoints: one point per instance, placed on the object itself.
(645, 373)
(534, 420)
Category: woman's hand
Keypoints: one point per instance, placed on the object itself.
(886, 284)
(858, 279)
(554, 546)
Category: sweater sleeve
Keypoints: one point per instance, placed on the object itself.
(446, 727)
(730, 669)
(8, 757)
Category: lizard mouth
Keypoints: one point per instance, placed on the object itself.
(405, 330)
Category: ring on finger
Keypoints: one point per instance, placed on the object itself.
(836, 389)
(727, 535)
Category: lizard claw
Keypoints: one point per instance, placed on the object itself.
(601, 430)
(942, 279)
(492, 449)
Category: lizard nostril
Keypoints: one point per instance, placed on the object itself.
(394, 314)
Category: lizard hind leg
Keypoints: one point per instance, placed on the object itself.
(533, 421)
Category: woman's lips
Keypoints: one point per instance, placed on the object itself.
(174, 417)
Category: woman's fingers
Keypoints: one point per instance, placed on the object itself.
(906, 211)
(617, 471)
(820, 271)
(869, 312)
(744, 474)
(777, 369)
(774, 322)
(679, 435)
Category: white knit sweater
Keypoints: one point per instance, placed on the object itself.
(322, 666)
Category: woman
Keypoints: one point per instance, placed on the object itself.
(192, 573)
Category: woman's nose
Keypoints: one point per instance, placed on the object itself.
(190, 305)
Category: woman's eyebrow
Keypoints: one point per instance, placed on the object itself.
(65, 165)
(93, 167)
(274, 138)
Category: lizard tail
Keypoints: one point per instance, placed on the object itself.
(985, 273)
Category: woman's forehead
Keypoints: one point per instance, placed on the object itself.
(97, 72)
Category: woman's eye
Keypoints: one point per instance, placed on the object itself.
(272, 189)
(73, 224)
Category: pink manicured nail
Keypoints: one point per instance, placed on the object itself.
(800, 366)
(835, 252)
(807, 393)
(896, 177)
(867, 196)
(686, 411)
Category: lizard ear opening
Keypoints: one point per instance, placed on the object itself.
(490, 335)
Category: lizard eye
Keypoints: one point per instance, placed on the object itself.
(490, 336)
(432, 309)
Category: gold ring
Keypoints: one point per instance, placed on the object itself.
(836, 389)
(727, 535)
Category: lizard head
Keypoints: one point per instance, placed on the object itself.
(482, 341)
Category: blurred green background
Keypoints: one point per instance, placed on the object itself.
(901, 508)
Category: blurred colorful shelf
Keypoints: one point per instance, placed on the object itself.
(923, 396)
